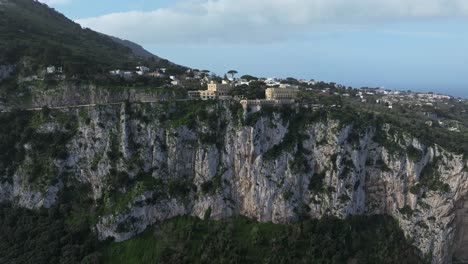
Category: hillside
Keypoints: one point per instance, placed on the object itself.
(34, 35)
(137, 50)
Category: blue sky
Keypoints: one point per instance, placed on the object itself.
(400, 44)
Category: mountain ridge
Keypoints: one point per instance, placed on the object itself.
(36, 35)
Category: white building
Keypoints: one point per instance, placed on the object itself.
(141, 70)
(272, 82)
(176, 82)
(116, 72)
(53, 69)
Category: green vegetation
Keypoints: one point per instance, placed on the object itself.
(430, 178)
(20, 129)
(406, 210)
(210, 187)
(409, 120)
(316, 184)
(43, 237)
(31, 30)
(415, 189)
(376, 239)
(414, 154)
(344, 198)
(237, 112)
(121, 190)
(287, 195)
(180, 188)
(298, 121)
(249, 78)
(187, 113)
(252, 119)
(385, 140)
(255, 90)
(300, 163)
(13, 132)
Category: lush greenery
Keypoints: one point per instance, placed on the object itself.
(376, 239)
(42, 236)
(51, 236)
(255, 90)
(20, 128)
(430, 178)
(297, 121)
(12, 134)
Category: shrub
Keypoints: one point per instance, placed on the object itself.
(316, 183)
(413, 153)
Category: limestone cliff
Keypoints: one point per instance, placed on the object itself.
(143, 163)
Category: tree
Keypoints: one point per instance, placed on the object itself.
(205, 73)
(249, 78)
(232, 73)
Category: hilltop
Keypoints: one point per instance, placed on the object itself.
(34, 35)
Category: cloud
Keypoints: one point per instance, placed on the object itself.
(260, 21)
(55, 2)
(426, 34)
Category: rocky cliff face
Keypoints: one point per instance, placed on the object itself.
(68, 93)
(144, 163)
(53, 91)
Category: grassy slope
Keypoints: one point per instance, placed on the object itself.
(33, 28)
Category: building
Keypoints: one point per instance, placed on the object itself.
(142, 70)
(53, 69)
(215, 91)
(116, 72)
(176, 82)
(274, 97)
(221, 89)
(207, 95)
(272, 82)
(281, 93)
(193, 95)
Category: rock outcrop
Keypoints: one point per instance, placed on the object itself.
(6, 70)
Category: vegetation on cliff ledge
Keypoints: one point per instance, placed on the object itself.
(45, 237)
(363, 239)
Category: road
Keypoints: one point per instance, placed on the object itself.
(92, 105)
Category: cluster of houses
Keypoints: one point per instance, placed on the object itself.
(390, 98)
(160, 73)
(139, 70)
(277, 93)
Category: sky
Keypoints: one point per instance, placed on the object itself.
(419, 45)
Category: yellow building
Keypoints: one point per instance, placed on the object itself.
(221, 89)
(207, 94)
(215, 91)
(281, 93)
